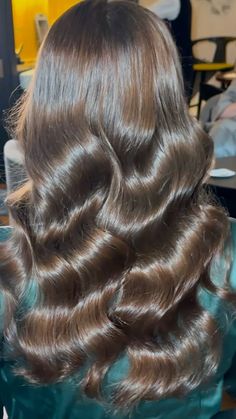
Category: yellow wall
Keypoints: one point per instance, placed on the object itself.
(24, 12)
(57, 7)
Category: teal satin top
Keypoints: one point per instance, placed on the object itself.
(63, 401)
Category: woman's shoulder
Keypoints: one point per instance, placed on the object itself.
(224, 265)
(233, 247)
(5, 232)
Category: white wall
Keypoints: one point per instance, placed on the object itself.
(211, 18)
(214, 18)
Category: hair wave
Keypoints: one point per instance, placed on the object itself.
(114, 234)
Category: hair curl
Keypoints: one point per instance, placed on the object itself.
(114, 234)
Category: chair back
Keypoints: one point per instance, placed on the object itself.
(14, 165)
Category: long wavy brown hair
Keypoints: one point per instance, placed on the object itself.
(114, 233)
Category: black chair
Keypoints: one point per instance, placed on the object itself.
(221, 43)
(208, 91)
(208, 69)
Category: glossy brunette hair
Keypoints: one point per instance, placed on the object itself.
(114, 235)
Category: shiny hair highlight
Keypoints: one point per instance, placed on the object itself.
(114, 234)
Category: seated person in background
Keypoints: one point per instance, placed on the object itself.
(116, 285)
(220, 122)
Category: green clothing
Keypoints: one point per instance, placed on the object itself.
(62, 401)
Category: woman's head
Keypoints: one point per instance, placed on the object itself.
(114, 237)
(107, 101)
(110, 68)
